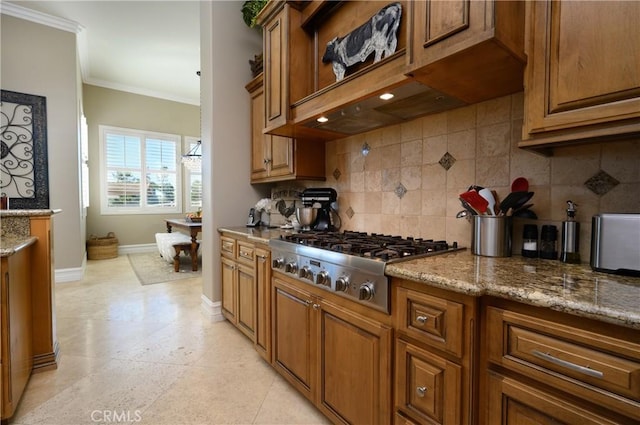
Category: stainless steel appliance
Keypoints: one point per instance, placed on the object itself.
(615, 243)
(350, 264)
(324, 199)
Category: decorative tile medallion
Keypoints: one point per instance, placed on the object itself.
(336, 174)
(400, 190)
(601, 183)
(447, 161)
(350, 212)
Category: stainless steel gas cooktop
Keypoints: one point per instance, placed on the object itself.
(348, 263)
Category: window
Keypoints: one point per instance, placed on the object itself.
(193, 179)
(139, 172)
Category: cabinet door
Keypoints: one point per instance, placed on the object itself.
(263, 303)
(513, 403)
(229, 295)
(275, 66)
(579, 77)
(16, 328)
(294, 341)
(246, 300)
(281, 156)
(258, 138)
(355, 367)
(428, 387)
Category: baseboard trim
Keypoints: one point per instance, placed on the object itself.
(73, 274)
(212, 310)
(136, 249)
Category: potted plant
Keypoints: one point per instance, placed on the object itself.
(250, 10)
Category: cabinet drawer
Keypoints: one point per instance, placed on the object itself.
(577, 360)
(427, 386)
(246, 252)
(512, 402)
(435, 321)
(228, 247)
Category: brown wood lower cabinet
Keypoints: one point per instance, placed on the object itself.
(435, 355)
(239, 284)
(547, 367)
(16, 348)
(338, 358)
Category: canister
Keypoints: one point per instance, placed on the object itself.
(492, 235)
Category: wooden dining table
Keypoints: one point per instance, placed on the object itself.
(190, 227)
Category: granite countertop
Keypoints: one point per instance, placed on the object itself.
(28, 213)
(258, 234)
(571, 288)
(10, 244)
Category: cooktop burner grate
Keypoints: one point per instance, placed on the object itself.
(384, 247)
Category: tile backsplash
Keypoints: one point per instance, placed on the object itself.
(409, 181)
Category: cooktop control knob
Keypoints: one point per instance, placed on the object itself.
(278, 263)
(291, 267)
(342, 283)
(322, 278)
(366, 291)
(306, 273)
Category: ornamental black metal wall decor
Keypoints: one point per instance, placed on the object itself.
(24, 169)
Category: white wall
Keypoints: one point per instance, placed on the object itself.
(226, 46)
(41, 60)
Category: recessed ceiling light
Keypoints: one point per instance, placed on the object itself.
(386, 96)
(322, 119)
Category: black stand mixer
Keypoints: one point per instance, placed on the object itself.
(321, 198)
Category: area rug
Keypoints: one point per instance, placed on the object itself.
(150, 268)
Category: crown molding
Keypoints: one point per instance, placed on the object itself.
(141, 92)
(16, 11)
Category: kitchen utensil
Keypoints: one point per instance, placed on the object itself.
(520, 184)
(306, 216)
(515, 200)
(468, 207)
(463, 214)
(477, 202)
(525, 213)
(486, 194)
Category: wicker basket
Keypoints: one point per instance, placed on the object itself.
(101, 248)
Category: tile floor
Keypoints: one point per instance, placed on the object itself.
(145, 355)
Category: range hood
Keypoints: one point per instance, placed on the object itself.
(410, 101)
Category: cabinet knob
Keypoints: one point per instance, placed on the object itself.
(315, 306)
(421, 391)
(422, 319)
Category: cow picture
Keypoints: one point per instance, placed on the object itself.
(377, 35)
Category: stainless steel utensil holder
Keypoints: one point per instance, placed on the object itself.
(492, 236)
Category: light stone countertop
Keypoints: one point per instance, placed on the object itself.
(28, 213)
(9, 245)
(258, 234)
(570, 288)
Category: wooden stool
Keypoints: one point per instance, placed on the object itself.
(186, 248)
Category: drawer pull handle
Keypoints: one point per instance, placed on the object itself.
(568, 365)
(422, 320)
(421, 391)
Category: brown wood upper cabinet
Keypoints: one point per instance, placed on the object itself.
(471, 50)
(580, 83)
(277, 158)
(449, 53)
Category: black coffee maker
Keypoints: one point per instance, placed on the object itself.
(321, 198)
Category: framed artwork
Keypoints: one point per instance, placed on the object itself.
(24, 169)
